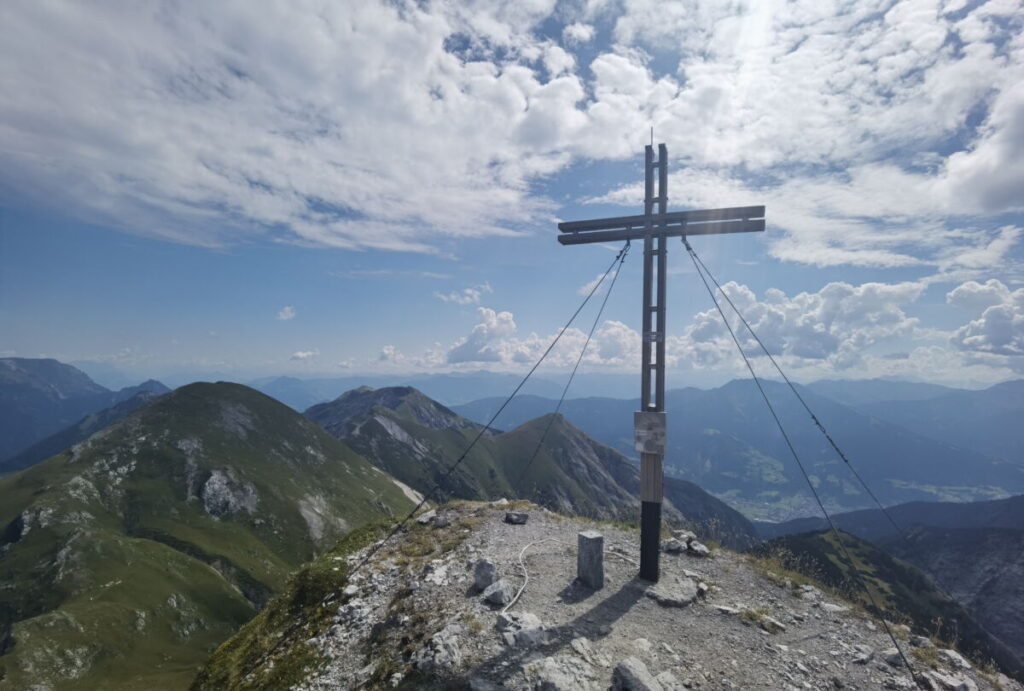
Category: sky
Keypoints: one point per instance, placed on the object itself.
(319, 188)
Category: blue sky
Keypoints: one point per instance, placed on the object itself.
(330, 188)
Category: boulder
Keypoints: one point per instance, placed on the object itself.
(684, 536)
(672, 591)
(672, 546)
(561, 673)
(698, 549)
(921, 642)
(500, 592)
(516, 517)
(442, 653)
(954, 659)
(632, 675)
(425, 518)
(521, 629)
(484, 574)
(892, 657)
(863, 653)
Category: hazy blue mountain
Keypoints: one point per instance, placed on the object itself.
(129, 400)
(414, 438)
(855, 392)
(39, 397)
(449, 389)
(128, 558)
(988, 421)
(872, 525)
(725, 440)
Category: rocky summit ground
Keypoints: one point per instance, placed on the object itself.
(415, 616)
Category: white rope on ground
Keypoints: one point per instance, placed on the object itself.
(526, 574)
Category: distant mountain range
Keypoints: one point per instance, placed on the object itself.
(414, 438)
(128, 557)
(724, 439)
(40, 397)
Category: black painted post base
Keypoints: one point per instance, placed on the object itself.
(650, 539)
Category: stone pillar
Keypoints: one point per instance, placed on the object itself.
(590, 559)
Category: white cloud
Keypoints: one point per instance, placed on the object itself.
(835, 325)
(578, 33)
(590, 285)
(303, 355)
(286, 313)
(484, 342)
(466, 296)
(390, 354)
(397, 126)
(999, 327)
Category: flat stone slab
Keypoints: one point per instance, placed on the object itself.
(672, 591)
(516, 517)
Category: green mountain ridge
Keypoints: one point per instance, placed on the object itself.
(127, 558)
(416, 439)
(901, 590)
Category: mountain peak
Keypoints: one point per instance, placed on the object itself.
(405, 401)
(688, 630)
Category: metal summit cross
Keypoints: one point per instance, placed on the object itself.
(655, 229)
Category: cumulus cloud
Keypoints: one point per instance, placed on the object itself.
(999, 326)
(834, 325)
(303, 355)
(578, 33)
(390, 354)
(466, 296)
(485, 341)
(286, 313)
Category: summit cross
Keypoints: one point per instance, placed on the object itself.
(655, 229)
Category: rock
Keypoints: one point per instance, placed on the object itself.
(501, 503)
(672, 591)
(590, 559)
(349, 590)
(631, 675)
(500, 592)
(583, 648)
(684, 536)
(892, 657)
(864, 653)
(521, 629)
(424, 519)
(698, 549)
(481, 684)
(950, 682)
(516, 517)
(669, 682)
(484, 574)
(673, 546)
(442, 521)
(771, 625)
(834, 609)
(442, 653)
(954, 659)
(561, 673)
(727, 610)
(921, 642)
(436, 572)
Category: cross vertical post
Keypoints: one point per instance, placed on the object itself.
(654, 228)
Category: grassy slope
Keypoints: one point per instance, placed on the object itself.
(113, 568)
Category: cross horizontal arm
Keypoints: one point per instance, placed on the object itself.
(671, 231)
(736, 213)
